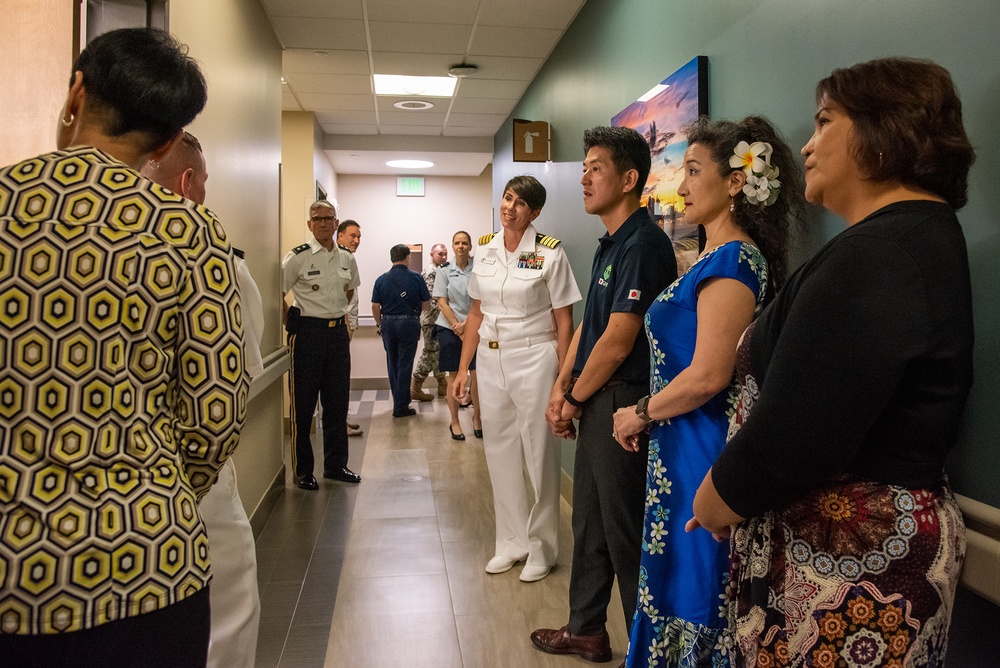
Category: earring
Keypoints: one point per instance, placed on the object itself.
(732, 205)
(68, 123)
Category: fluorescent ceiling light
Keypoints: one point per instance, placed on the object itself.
(653, 92)
(409, 164)
(395, 84)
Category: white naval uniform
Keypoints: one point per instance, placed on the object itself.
(516, 364)
(234, 599)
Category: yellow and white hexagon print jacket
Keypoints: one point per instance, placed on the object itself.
(122, 390)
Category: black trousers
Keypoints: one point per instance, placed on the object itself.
(400, 335)
(609, 495)
(173, 637)
(321, 368)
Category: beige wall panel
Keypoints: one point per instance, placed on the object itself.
(37, 47)
(240, 131)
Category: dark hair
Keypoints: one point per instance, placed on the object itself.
(628, 151)
(527, 188)
(345, 224)
(907, 124)
(469, 236)
(399, 252)
(142, 80)
(770, 227)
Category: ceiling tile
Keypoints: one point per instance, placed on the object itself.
(426, 38)
(288, 101)
(335, 102)
(345, 129)
(346, 117)
(548, 14)
(430, 130)
(415, 64)
(476, 120)
(337, 61)
(305, 33)
(506, 67)
(348, 84)
(432, 117)
(475, 105)
(341, 9)
(474, 86)
(500, 41)
(430, 11)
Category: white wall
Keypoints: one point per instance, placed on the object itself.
(450, 204)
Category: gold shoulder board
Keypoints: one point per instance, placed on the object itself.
(546, 240)
(485, 239)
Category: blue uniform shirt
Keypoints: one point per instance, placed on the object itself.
(400, 291)
(631, 268)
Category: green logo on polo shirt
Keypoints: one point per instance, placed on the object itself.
(607, 272)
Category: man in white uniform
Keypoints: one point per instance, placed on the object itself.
(235, 602)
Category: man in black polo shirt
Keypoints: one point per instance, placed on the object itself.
(608, 367)
(397, 299)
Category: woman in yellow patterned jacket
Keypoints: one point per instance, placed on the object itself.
(122, 383)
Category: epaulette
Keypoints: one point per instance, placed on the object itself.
(546, 240)
(485, 239)
(300, 249)
(239, 253)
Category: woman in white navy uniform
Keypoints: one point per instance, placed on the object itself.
(519, 327)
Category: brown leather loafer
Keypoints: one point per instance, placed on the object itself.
(595, 648)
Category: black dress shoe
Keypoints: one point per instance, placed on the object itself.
(306, 482)
(406, 413)
(454, 436)
(343, 475)
(478, 433)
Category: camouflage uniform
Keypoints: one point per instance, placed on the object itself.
(428, 363)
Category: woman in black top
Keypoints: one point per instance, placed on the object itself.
(848, 543)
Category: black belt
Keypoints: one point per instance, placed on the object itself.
(401, 317)
(306, 321)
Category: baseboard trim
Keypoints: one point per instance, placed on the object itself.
(266, 506)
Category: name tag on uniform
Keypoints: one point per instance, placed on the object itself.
(530, 261)
(314, 272)
(489, 259)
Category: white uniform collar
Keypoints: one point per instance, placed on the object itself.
(317, 246)
(527, 243)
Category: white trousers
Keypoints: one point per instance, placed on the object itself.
(233, 594)
(514, 388)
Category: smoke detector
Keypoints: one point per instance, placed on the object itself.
(462, 71)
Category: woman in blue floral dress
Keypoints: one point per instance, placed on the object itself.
(731, 188)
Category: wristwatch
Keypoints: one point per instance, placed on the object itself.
(642, 409)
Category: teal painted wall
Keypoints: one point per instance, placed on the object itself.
(765, 57)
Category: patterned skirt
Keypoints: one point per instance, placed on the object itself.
(854, 574)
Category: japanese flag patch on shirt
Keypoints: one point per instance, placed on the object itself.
(634, 294)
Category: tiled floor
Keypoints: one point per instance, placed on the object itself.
(390, 572)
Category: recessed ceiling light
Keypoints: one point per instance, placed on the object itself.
(320, 53)
(409, 164)
(284, 80)
(413, 105)
(394, 84)
(653, 92)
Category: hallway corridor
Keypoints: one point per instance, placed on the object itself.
(390, 572)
